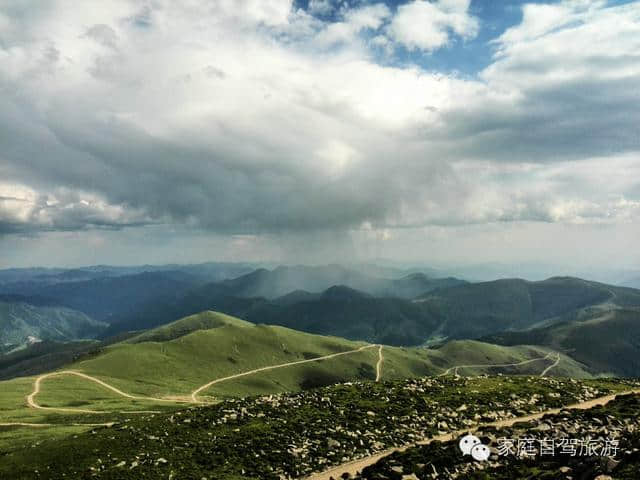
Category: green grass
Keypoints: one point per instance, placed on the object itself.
(174, 360)
(254, 438)
(180, 365)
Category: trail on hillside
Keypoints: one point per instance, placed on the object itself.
(31, 398)
(355, 466)
(194, 394)
(40, 425)
(191, 399)
(555, 364)
(524, 362)
(379, 364)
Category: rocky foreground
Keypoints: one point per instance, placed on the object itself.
(292, 435)
(602, 443)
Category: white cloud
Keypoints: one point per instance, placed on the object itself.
(370, 17)
(23, 209)
(268, 12)
(321, 7)
(427, 26)
(226, 116)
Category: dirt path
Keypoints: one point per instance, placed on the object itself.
(194, 394)
(191, 399)
(379, 364)
(555, 364)
(456, 367)
(31, 398)
(355, 466)
(40, 425)
(24, 424)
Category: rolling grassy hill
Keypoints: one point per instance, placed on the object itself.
(159, 370)
(184, 354)
(171, 362)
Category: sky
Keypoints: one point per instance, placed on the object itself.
(315, 131)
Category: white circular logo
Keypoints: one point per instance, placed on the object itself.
(467, 443)
(480, 452)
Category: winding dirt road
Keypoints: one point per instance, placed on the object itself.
(555, 364)
(355, 466)
(31, 398)
(379, 364)
(192, 399)
(40, 425)
(456, 367)
(194, 394)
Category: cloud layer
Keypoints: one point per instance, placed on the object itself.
(255, 117)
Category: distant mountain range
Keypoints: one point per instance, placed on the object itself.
(284, 280)
(275, 296)
(131, 298)
(449, 308)
(210, 271)
(567, 314)
(605, 337)
(22, 323)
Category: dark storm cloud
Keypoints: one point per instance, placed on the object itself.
(127, 117)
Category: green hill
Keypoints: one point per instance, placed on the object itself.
(177, 358)
(212, 356)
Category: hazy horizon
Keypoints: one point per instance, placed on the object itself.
(385, 268)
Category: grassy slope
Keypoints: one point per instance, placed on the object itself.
(200, 348)
(227, 346)
(203, 347)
